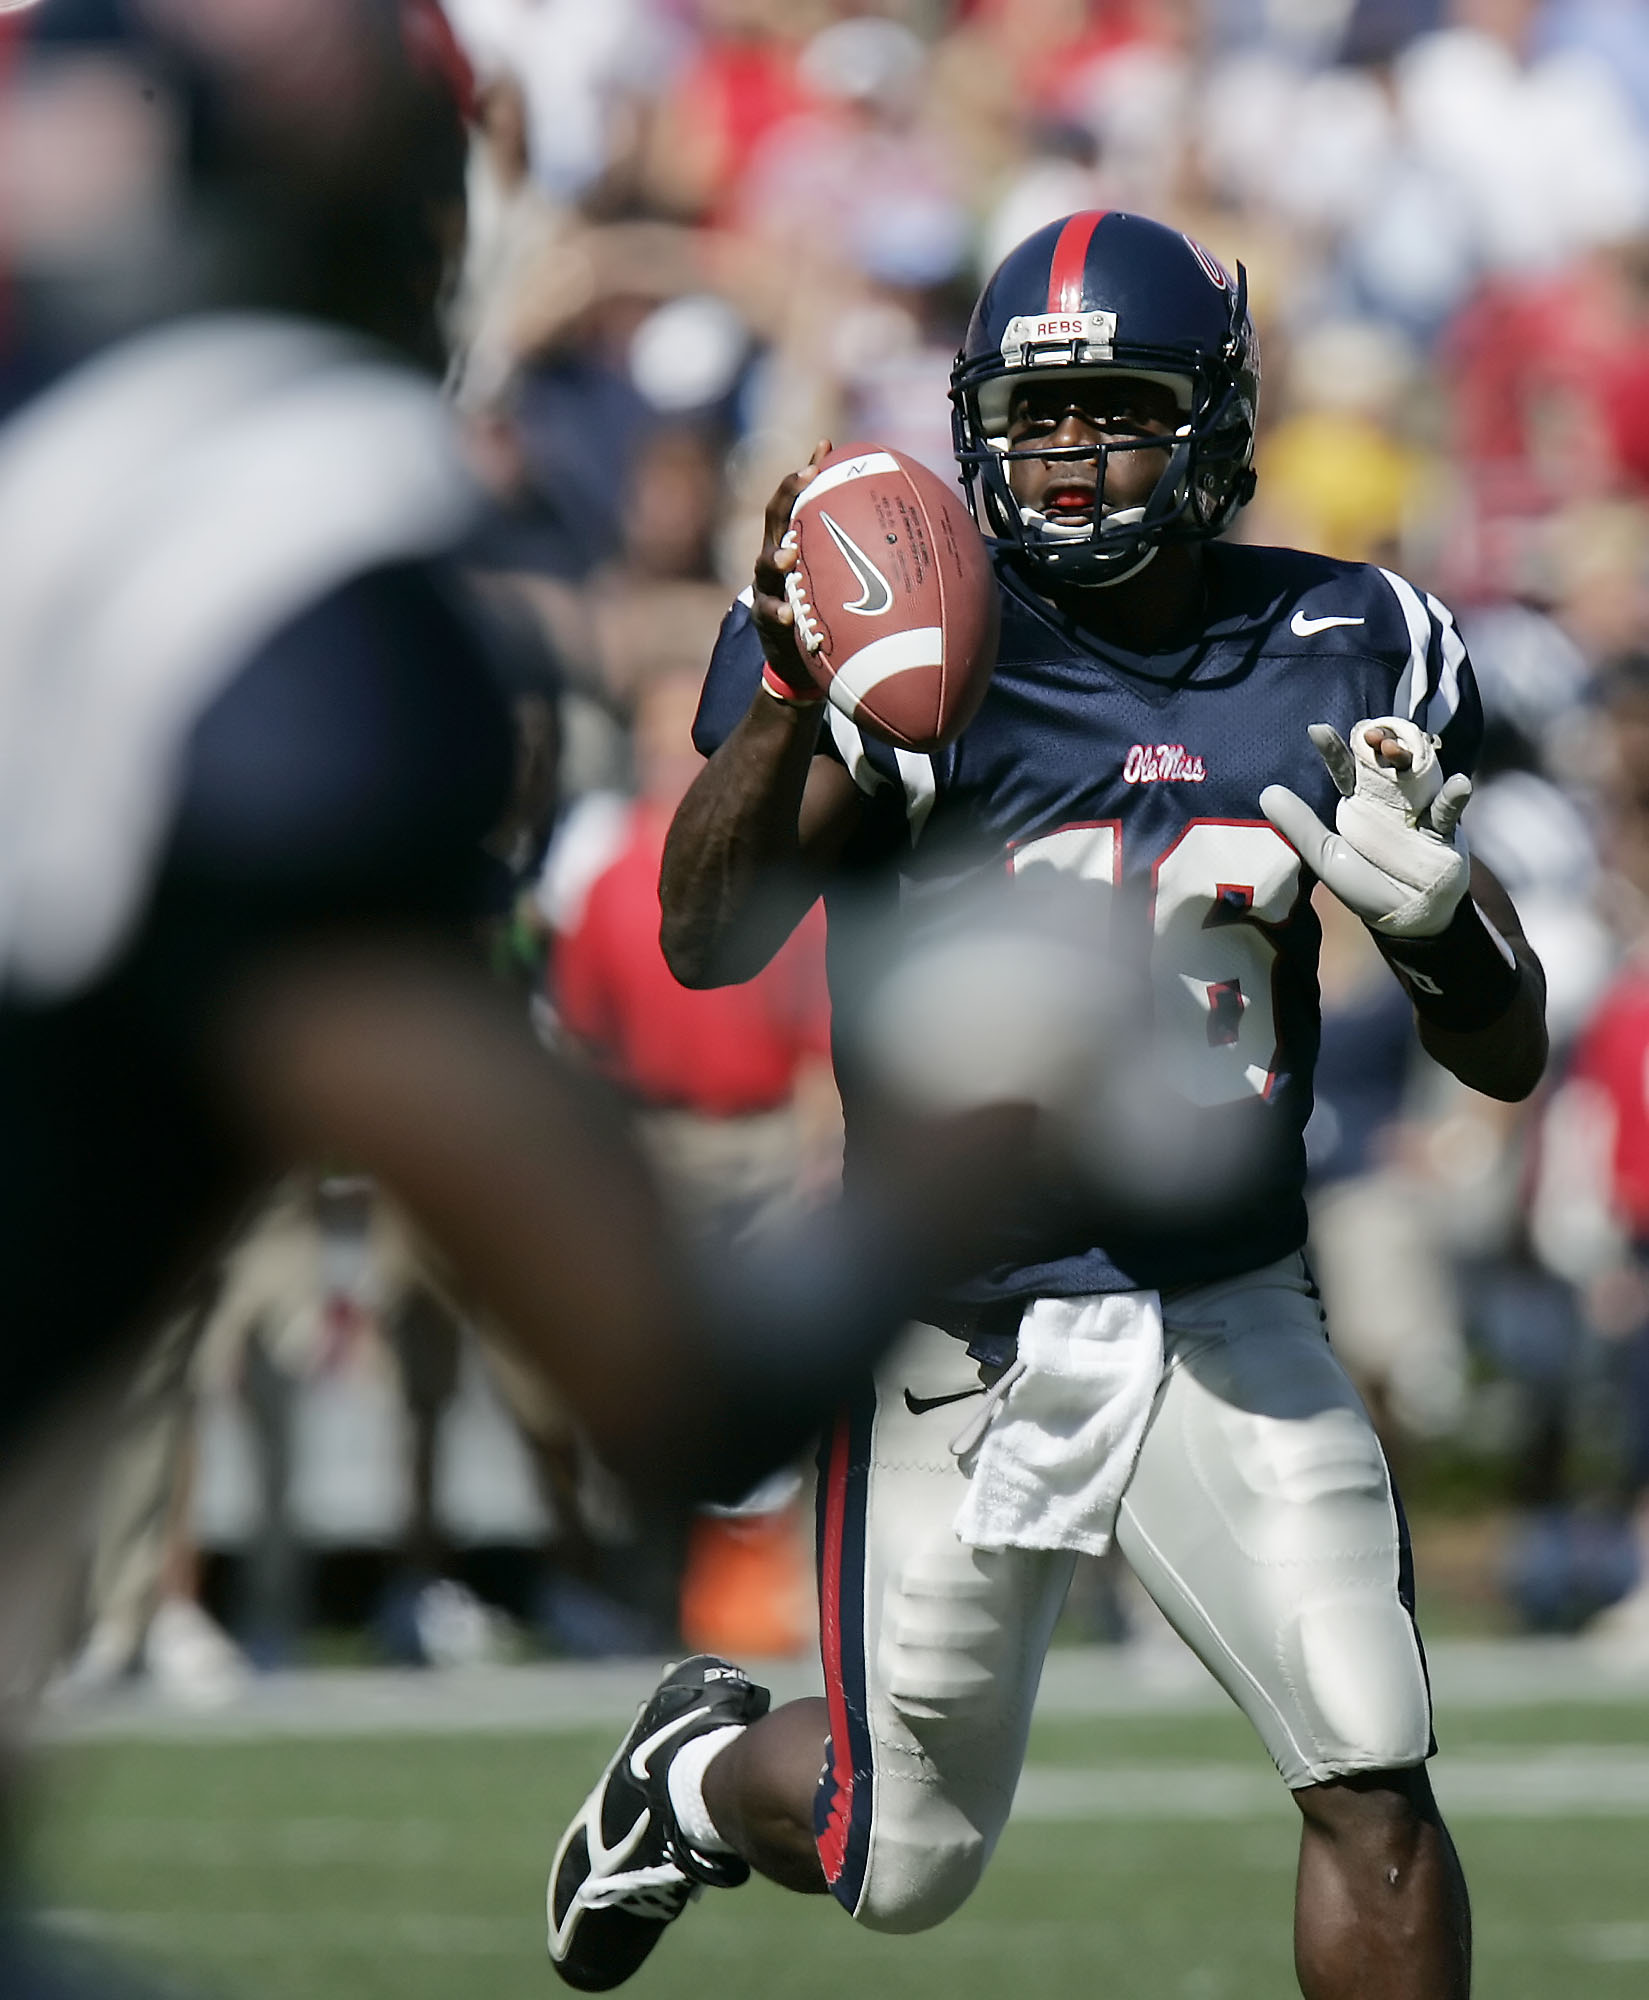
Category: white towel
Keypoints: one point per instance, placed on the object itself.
(1050, 1456)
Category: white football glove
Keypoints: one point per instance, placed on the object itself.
(1398, 858)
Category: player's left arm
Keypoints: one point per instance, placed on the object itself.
(1505, 1057)
(1442, 921)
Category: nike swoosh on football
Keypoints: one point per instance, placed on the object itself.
(1305, 628)
(877, 592)
(919, 1406)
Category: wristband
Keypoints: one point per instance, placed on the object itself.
(1462, 979)
(780, 689)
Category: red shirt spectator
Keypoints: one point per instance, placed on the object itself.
(1613, 1057)
(1050, 46)
(733, 92)
(1551, 381)
(726, 1053)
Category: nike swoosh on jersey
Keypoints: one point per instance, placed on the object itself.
(877, 592)
(1306, 628)
(919, 1406)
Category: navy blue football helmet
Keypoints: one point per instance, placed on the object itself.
(1108, 292)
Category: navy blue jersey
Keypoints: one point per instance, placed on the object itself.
(1145, 772)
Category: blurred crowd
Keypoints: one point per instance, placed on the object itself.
(706, 233)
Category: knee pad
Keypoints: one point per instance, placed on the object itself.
(1358, 1674)
(915, 1883)
(1330, 1543)
(1293, 1601)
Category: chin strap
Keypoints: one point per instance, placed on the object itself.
(1167, 502)
(1058, 532)
(1076, 581)
(1147, 556)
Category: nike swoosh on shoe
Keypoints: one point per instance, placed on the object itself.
(641, 1756)
(1307, 628)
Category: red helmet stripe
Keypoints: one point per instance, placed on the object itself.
(1070, 264)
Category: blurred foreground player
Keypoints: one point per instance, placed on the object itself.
(1176, 716)
(250, 743)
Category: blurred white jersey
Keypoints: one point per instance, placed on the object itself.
(164, 511)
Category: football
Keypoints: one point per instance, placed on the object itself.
(894, 597)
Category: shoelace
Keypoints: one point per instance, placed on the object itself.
(661, 1892)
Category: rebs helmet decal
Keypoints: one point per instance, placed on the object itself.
(1109, 292)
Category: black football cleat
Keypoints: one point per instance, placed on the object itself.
(624, 1870)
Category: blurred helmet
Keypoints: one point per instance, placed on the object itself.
(1105, 293)
(305, 156)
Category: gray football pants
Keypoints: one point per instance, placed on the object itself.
(1260, 1517)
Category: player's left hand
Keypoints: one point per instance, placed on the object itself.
(1397, 858)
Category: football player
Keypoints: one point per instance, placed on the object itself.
(1212, 729)
(252, 738)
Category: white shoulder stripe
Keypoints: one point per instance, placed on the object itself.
(916, 772)
(1415, 685)
(854, 755)
(1447, 699)
(921, 789)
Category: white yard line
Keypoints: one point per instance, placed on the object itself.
(1594, 1782)
(1612, 1944)
(1151, 1679)
(259, 1933)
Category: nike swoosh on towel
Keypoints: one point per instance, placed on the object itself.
(1305, 628)
(919, 1406)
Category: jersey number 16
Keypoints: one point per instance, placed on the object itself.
(1215, 896)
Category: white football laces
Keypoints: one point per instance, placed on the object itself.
(808, 629)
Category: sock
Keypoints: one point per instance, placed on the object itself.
(686, 1788)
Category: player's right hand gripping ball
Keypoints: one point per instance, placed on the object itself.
(896, 604)
(1397, 858)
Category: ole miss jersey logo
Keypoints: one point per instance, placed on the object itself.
(1162, 763)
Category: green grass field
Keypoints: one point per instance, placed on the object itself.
(405, 1868)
